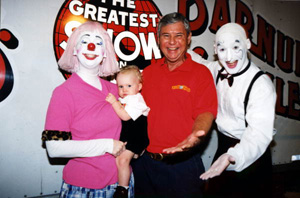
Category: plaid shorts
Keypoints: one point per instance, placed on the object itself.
(70, 191)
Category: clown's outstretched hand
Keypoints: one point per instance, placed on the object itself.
(218, 166)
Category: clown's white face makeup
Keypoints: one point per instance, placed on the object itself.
(232, 50)
(90, 50)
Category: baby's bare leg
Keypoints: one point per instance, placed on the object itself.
(123, 164)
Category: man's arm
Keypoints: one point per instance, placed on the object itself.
(213, 66)
(201, 127)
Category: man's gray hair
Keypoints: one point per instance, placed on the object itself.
(173, 18)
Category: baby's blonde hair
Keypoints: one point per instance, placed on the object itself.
(132, 69)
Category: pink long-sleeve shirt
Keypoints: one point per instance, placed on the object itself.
(77, 107)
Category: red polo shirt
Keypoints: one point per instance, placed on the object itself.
(175, 99)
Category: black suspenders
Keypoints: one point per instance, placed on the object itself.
(257, 75)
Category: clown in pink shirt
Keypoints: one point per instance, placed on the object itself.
(78, 108)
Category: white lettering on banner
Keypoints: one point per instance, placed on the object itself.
(90, 10)
(153, 17)
(114, 2)
(152, 46)
(100, 14)
(123, 17)
(130, 3)
(147, 46)
(117, 17)
(113, 17)
(145, 22)
(136, 42)
(77, 4)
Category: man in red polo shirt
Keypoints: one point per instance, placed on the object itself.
(182, 97)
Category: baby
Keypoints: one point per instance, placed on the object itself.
(131, 108)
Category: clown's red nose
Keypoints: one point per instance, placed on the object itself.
(91, 46)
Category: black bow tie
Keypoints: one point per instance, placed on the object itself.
(225, 76)
(231, 77)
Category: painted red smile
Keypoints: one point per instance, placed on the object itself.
(90, 56)
(231, 65)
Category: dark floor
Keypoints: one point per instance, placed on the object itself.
(286, 180)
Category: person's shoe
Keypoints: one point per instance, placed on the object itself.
(121, 192)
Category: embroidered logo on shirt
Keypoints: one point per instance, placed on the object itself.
(182, 87)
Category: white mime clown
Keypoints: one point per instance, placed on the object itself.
(246, 112)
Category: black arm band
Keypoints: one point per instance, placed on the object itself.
(56, 135)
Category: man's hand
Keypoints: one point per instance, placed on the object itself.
(119, 147)
(201, 126)
(218, 166)
(110, 98)
(189, 142)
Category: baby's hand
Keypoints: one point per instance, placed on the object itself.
(110, 98)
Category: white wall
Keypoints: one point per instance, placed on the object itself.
(24, 166)
(25, 169)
